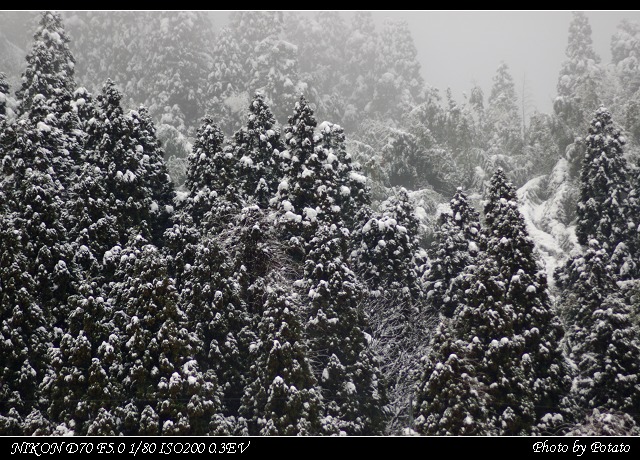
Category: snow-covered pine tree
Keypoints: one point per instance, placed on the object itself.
(473, 383)
(155, 174)
(609, 371)
(604, 342)
(110, 151)
(25, 332)
(503, 121)
(165, 389)
(579, 84)
(604, 213)
(526, 294)
(211, 177)
(216, 314)
(348, 187)
(399, 84)
(127, 154)
(282, 396)
(346, 367)
(458, 242)
(257, 148)
(296, 189)
(50, 64)
(84, 386)
(46, 95)
(450, 398)
(36, 195)
(387, 252)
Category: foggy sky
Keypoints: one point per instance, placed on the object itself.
(458, 48)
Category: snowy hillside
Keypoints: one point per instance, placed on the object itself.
(548, 206)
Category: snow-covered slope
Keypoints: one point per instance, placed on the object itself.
(548, 204)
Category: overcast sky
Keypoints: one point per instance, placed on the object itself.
(457, 48)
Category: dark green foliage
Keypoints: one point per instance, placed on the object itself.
(459, 241)
(282, 396)
(50, 64)
(257, 149)
(165, 390)
(604, 213)
(352, 388)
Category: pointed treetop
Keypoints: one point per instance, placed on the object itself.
(111, 93)
(50, 64)
(202, 171)
(580, 45)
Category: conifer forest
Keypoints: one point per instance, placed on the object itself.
(187, 247)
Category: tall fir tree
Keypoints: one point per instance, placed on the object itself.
(24, 331)
(579, 84)
(211, 176)
(282, 396)
(126, 152)
(458, 242)
(526, 292)
(50, 64)
(504, 122)
(604, 211)
(472, 382)
(602, 337)
(257, 149)
(348, 371)
(165, 390)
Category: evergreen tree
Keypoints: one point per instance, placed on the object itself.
(155, 176)
(36, 196)
(219, 319)
(608, 359)
(459, 240)
(451, 399)
(400, 84)
(603, 340)
(25, 333)
(387, 250)
(503, 120)
(526, 292)
(166, 392)
(603, 211)
(297, 191)
(257, 148)
(211, 175)
(282, 397)
(473, 382)
(84, 387)
(348, 187)
(50, 64)
(352, 387)
(127, 154)
(579, 84)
